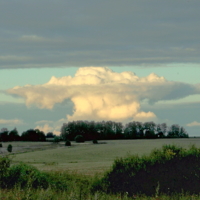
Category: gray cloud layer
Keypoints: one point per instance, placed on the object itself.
(84, 33)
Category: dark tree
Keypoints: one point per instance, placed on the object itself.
(95, 142)
(56, 139)
(50, 135)
(79, 138)
(13, 135)
(67, 143)
(106, 130)
(33, 135)
(4, 135)
(175, 131)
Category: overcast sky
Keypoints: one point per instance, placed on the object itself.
(99, 60)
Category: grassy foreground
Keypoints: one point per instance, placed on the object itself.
(18, 194)
(22, 181)
(87, 158)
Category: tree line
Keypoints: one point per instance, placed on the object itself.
(29, 135)
(107, 130)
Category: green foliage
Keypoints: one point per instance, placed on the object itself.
(26, 182)
(50, 135)
(1, 145)
(169, 167)
(24, 175)
(56, 139)
(95, 142)
(175, 131)
(4, 166)
(76, 193)
(4, 135)
(13, 135)
(108, 130)
(79, 138)
(33, 135)
(9, 148)
(67, 143)
(91, 130)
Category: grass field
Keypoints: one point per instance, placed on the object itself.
(86, 158)
(83, 159)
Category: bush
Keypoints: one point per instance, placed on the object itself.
(9, 148)
(168, 169)
(95, 142)
(4, 166)
(1, 145)
(67, 143)
(79, 138)
(24, 175)
(56, 139)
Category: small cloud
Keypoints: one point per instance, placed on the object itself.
(195, 123)
(45, 128)
(44, 122)
(145, 116)
(11, 121)
(50, 126)
(33, 38)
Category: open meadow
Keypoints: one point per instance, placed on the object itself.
(69, 172)
(86, 158)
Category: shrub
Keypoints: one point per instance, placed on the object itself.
(27, 176)
(79, 138)
(9, 148)
(1, 145)
(95, 142)
(67, 143)
(24, 175)
(4, 166)
(168, 168)
(56, 139)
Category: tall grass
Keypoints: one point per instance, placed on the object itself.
(40, 194)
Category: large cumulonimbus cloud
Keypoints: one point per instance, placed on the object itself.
(99, 93)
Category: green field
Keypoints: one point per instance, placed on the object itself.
(87, 158)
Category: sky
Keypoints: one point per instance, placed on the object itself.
(89, 60)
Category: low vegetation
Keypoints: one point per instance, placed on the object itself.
(95, 142)
(9, 148)
(79, 138)
(168, 170)
(67, 143)
(166, 173)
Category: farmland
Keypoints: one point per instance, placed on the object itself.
(69, 172)
(86, 158)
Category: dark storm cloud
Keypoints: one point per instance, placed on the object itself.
(83, 33)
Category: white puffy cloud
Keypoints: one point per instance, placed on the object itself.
(11, 121)
(145, 116)
(195, 123)
(50, 126)
(98, 93)
(45, 128)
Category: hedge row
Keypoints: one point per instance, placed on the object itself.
(168, 170)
